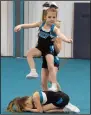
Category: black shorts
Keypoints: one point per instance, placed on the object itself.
(63, 99)
(46, 50)
(56, 62)
(59, 99)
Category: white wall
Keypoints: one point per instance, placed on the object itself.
(10, 27)
(6, 28)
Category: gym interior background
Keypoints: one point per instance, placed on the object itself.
(74, 72)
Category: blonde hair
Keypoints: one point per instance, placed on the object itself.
(17, 104)
(44, 13)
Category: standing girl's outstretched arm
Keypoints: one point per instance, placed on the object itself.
(32, 25)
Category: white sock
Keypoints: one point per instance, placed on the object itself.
(33, 70)
(54, 86)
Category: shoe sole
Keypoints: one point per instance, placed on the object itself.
(31, 77)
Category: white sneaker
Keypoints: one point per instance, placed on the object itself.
(32, 75)
(71, 108)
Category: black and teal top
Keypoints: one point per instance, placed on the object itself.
(45, 43)
(43, 34)
(59, 99)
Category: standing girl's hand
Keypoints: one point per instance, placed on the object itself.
(70, 41)
(17, 28)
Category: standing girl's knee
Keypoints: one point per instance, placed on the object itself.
(29, 54)
(50, 67)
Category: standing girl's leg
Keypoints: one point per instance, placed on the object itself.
(44, 79)
(51, 69)
(34, 52)
(49, 80)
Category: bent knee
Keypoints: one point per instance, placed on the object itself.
(30, 53)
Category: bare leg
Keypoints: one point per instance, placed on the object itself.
(55, 110)
(50, 78)
(51, 108)
(44, 79)
(58, 85)
(51, 69)
(34, 52)
(52, 72)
